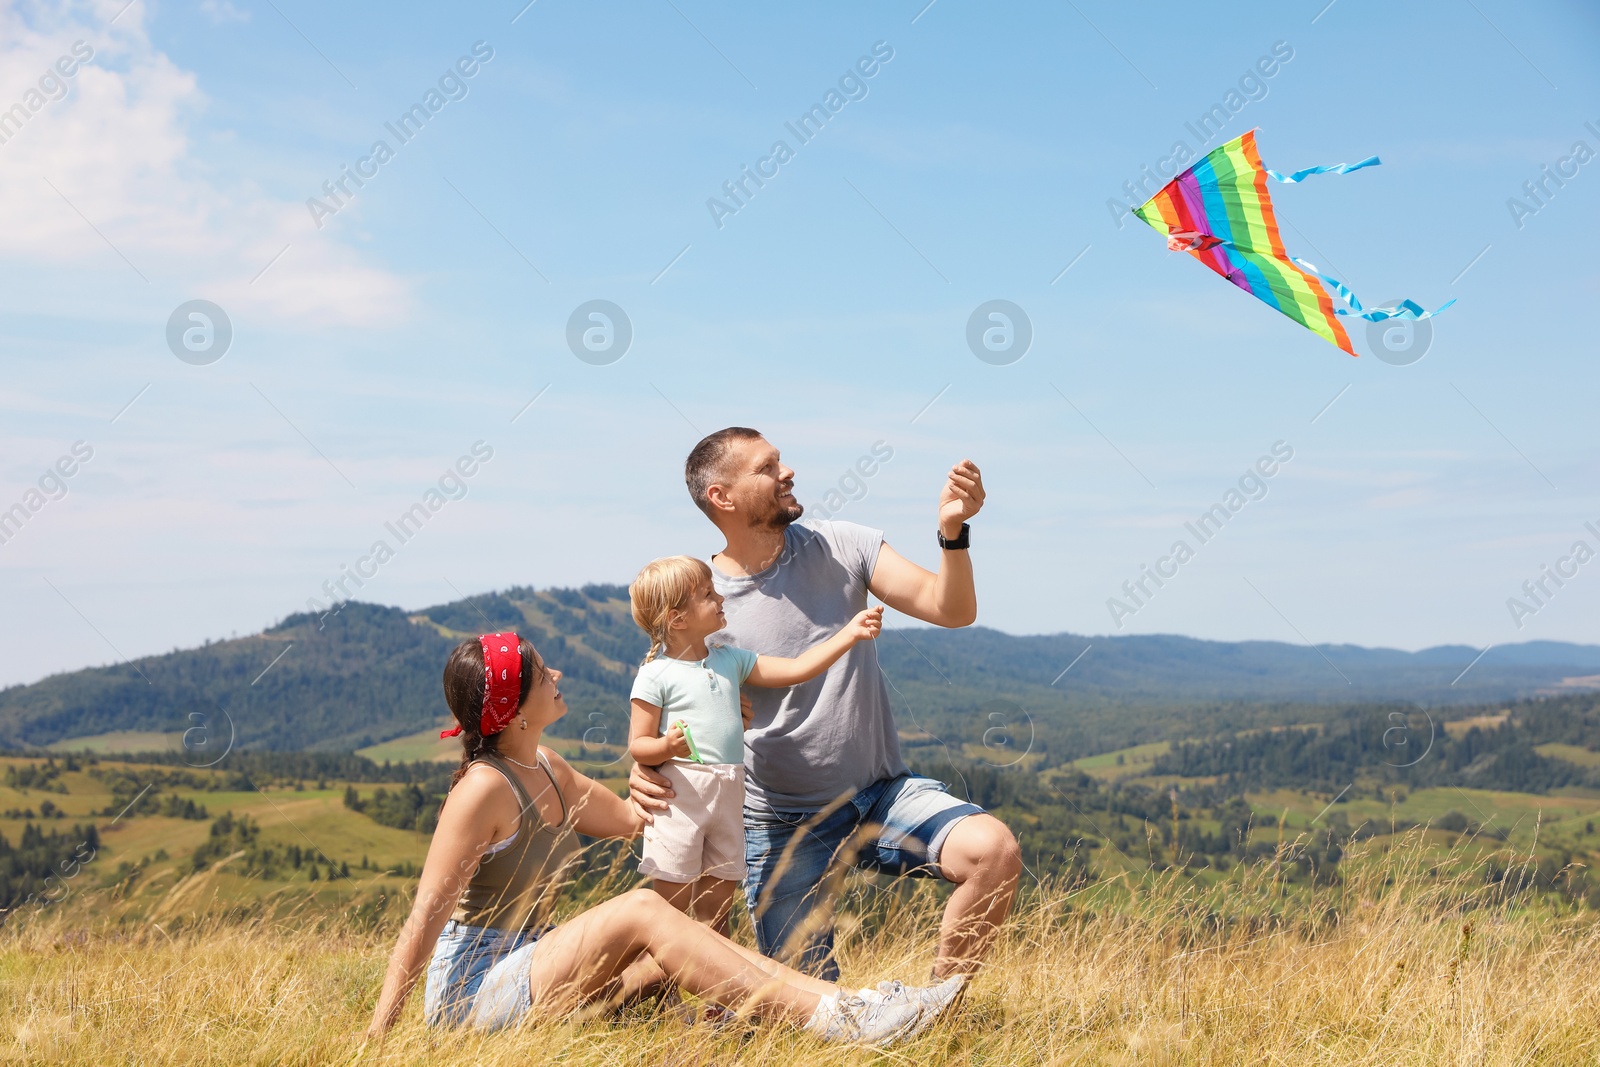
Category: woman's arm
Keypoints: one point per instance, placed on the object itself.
(648, 747)
(468, 824)
(601, 813)
(775, 672)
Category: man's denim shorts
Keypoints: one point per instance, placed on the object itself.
(478, 977)
(909, 818)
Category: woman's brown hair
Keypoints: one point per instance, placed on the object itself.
(463, 692)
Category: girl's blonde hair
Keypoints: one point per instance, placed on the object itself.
(662, 587)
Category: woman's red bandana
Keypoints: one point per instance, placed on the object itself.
(502, 683)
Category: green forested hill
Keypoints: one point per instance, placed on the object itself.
(1128, 690)
(343, 681)
(369, 673)
(1504, 751)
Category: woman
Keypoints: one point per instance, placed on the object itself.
(504, 843)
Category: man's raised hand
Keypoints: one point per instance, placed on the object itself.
(961, 499)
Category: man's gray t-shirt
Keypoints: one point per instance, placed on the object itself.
(834, 734)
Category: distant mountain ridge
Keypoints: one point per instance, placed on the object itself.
(370, 673)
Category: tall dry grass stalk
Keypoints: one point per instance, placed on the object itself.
(1399, 964)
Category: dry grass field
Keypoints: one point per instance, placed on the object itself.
(1401, 963)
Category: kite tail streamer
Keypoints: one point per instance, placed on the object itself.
(1331, 168)
(1406, 309)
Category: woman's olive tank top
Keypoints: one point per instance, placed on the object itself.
(516, 887)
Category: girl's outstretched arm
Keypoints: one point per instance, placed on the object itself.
(775, 672)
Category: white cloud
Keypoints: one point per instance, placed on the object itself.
(116, 149)
(221, 11)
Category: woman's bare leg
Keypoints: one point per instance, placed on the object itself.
(641, 979)
(772, 967)
(710, 897)
(583, 957)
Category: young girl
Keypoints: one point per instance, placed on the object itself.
(686, 717)
(505, 845)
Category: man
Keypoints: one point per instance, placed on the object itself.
(825, 779)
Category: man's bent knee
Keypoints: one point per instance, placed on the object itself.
(981, 846)
(1008, 858)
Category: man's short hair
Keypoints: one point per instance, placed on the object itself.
(708, 461)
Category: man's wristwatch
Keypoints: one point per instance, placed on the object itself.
(961, 541)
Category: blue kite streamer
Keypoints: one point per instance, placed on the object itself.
(1330, 168)
(1406, 309)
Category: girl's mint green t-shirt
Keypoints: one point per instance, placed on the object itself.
(704, 694)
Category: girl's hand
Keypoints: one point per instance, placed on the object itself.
(866, 625)
(677, 744)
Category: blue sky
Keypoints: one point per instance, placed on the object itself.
(975, 164)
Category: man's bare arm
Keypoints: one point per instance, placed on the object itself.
(949, 597)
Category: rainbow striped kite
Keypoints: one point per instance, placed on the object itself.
(1219, 212)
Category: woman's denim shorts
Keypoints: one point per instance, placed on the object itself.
(478, 976)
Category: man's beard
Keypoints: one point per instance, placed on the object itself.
(777, 516)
